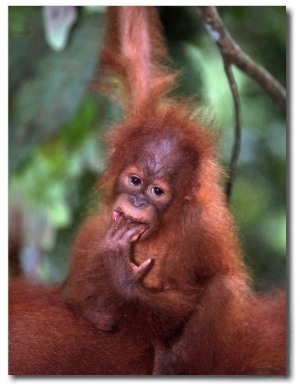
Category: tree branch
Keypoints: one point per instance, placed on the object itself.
(233, 54)
(237, 137)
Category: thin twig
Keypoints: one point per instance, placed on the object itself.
(237, 131)
(233, 54)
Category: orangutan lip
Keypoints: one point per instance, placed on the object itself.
(117, 212)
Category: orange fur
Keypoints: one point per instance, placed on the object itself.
(134, 55)
(47, 338)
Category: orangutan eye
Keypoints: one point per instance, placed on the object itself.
(134, 180)
(157, 191)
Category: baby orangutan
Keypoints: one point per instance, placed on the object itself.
(161, 249)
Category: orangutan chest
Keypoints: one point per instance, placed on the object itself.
(158, 256)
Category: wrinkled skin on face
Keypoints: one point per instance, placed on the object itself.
(141, 200)
(144, 188)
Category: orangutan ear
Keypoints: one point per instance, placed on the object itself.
(193, 191)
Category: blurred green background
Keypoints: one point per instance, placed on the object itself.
(57, 120)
